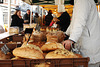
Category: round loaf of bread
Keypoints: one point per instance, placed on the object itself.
(51, 46)
(61, 53)
(26, 52)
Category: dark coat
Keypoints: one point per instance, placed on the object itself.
(64, 21)
(27, 17)
(16, 21)
(48, 19)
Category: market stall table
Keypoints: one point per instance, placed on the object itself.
(5, 35)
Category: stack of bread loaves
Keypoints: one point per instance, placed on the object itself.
(55, 37)
(57, 51)
(14, 30)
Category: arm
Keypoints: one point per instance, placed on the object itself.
(80, 16)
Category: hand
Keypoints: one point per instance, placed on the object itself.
(67, 44)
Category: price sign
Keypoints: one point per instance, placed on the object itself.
(5, 49)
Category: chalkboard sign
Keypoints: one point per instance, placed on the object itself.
(28, 30)
(5, 49)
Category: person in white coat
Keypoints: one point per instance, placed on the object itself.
(85, 30)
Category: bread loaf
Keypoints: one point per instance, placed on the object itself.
(52, 46)
(14, 30)
(39, 44)
(61, 53)
(26, 52)
(57, 36)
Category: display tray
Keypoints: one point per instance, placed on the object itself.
(11, 46)
(17, 38)
(65, 62)
(13, 38)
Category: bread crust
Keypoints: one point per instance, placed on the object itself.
(51, 46)
(27, 52)
(62, 54)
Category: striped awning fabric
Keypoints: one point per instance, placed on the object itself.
(42, 2)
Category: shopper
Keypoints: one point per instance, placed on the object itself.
(37, 18)
(27, 17)
(48, 18)
(85, 30)
(64, 21)
(17, 20)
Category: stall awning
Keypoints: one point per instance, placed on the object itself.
(41, 2)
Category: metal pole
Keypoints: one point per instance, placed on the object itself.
(38, 9)
(31, 15)
(42, 15)
(9, 14)
(98, 8)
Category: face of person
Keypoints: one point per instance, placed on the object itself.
(28, 12)
(19, 13)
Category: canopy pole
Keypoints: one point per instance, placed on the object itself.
(38, 9)
(98, 8)
(9, 14)
(31, 15)
(42, 15)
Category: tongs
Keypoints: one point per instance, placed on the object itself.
(74, 49)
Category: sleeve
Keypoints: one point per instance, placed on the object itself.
(81, 12)
(14, 21)
(25, 17)
(68, 31)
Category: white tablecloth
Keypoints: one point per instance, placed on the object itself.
(4, 35)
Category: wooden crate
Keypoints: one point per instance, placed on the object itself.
(65, 62)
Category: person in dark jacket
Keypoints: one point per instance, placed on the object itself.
(64, 21)
(27, 17)
(48, 18)
(17, 20)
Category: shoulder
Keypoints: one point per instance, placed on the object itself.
(83, 1)
(13, 16)
(25, 14)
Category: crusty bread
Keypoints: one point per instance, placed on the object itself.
(61, 53)
(52, 37)
(39, 44)
(31, 46)
(57, 36)
(51, 46)
(26, 52)
(14, 30)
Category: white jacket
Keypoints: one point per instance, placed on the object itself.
(85, 29)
